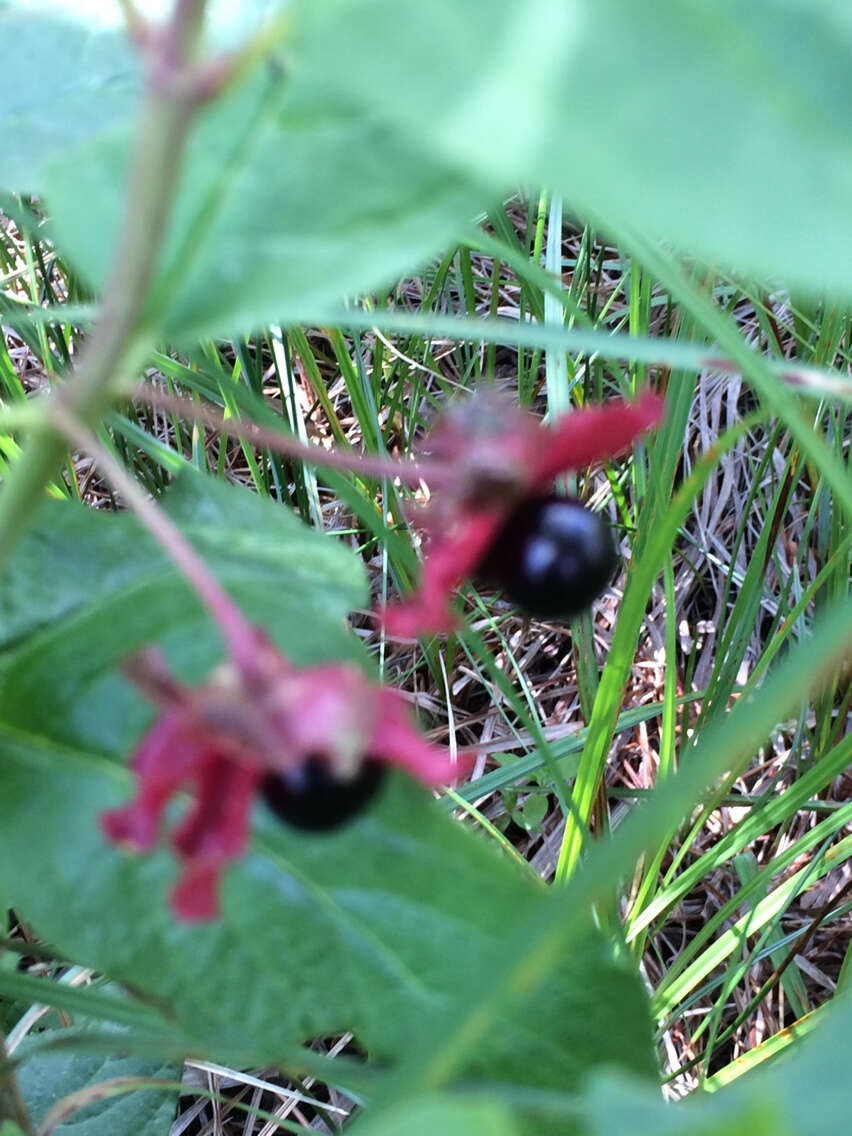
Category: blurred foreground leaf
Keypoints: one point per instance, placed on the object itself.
(320, 177)
(440, 1113)
(103, 1105)
(724, 128)
(804, 1091)
(379, 927)
(289, 202)
(85, 590)
(66, 80)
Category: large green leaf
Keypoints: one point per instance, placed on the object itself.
(78, 559)
(379, 927)
(724, 127)
(395, 123)
(48, 1078)
(64, 81)
(74, 74)
(86, 590)
(804, 1092)
(440, 1113)
(289, 201)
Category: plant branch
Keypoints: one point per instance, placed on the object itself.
(366, 465)
(236, 630)
(119, 341)
(217, 75)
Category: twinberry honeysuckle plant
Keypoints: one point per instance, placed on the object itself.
(260, 715)
(183, 268)
(260, 724)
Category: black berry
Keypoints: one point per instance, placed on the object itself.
(552, 557)
(312, 798)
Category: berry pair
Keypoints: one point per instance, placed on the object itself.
(551, 556)
(315, 739)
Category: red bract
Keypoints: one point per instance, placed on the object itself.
(502, 456)
(220, 740)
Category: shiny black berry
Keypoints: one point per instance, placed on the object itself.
(312, 798)
(552, 557)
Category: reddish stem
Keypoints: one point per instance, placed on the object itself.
(367, 465)
(239, 635)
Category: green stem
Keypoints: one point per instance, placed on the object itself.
(21, 415)
(119, 343)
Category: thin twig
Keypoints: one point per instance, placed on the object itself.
(235, 628)
(366, 465)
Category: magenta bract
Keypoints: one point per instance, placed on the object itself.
(220, 739)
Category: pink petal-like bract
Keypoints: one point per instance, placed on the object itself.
(591, 434)
(219, 740)
(213, 833)
(397, 741)
(195, 897)
(450, 557)
(164, 762)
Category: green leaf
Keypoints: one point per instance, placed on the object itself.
(46, 1079)
(90, 1001)
(378, 927)
(290, 199)
(724, 128)
(341, 176)
(85, 590)
(804, 1091)
(65, 82)
(248, 540)
(289, 202)
(439, 1113)
(617, 1104)
(533, 811)
(87, 78)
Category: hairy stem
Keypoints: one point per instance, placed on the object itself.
(118, 344)
(366, 465)
(237, 632)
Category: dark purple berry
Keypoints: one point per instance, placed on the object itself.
(312, 798)
(552, 557)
